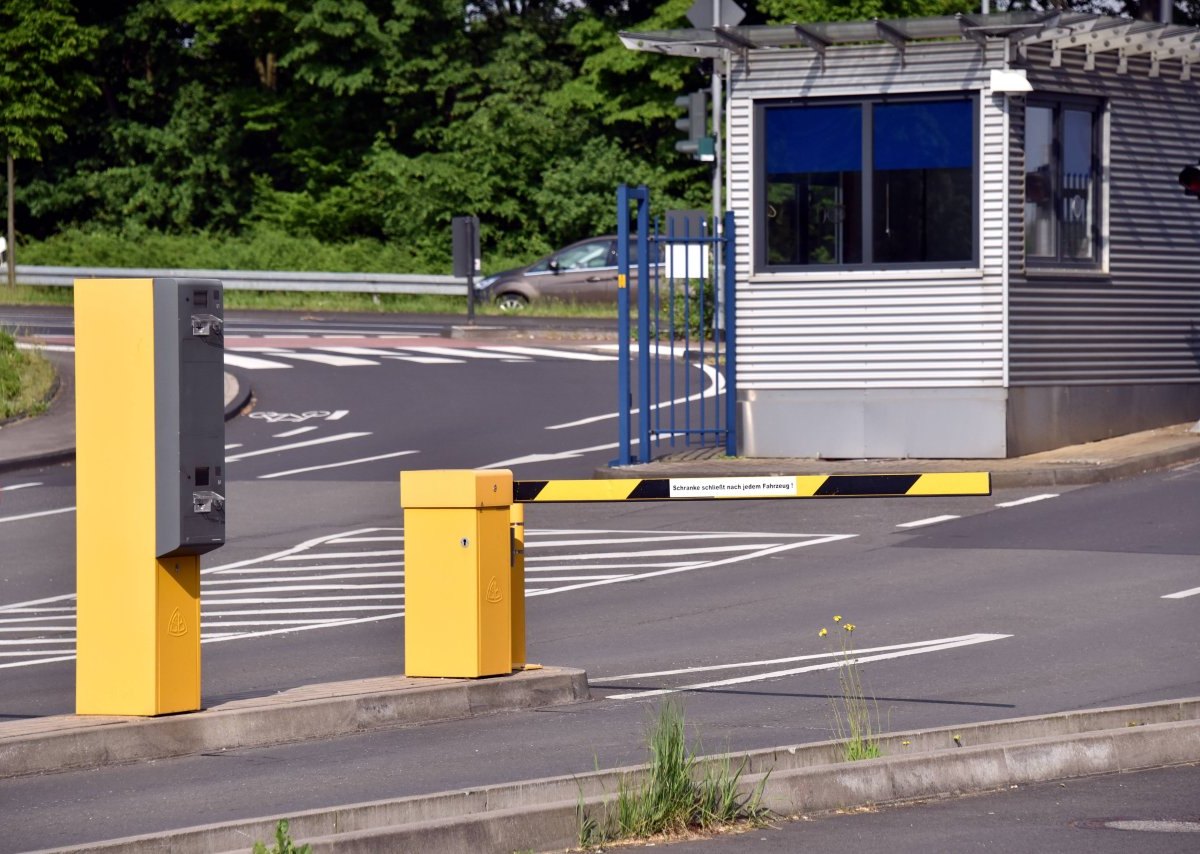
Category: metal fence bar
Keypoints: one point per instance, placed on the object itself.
(257, 280)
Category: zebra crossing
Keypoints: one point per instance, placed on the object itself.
(281, 352)
(357, 576)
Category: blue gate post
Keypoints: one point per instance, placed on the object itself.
(625, 195)
(730, 337)
(643, 268)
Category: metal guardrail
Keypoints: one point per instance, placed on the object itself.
(257, 280)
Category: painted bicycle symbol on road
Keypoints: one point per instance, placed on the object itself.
(290, 417)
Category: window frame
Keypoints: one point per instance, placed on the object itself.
(1059, 104)
(867, 103)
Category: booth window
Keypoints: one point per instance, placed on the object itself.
(870, 183)
(1061, 181)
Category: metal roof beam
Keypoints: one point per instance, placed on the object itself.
(892, 36)
(970, 29)
(812, 40)
(728, 38)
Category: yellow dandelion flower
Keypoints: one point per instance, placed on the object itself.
(822, 633)
(849, 627)
(838, 618)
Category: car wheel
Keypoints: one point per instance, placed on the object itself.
(511, 302)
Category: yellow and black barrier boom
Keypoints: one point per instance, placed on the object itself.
(772, 486)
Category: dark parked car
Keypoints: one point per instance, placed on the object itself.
(582, 272)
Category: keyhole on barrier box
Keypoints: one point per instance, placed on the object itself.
(464, 542)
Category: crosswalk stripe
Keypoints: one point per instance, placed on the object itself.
(426, 360)
(326, 358)
(466, 353)
(580, 355)
(251, 363)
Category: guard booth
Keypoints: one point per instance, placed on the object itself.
(959, 236)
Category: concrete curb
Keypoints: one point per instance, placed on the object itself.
(64, 742)
(544, 814)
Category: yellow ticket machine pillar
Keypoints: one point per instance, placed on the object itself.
(457, 578)
(150, 484)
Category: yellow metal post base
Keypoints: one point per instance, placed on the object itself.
(139, 637)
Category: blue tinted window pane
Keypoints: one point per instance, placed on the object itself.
(814, 139)
(936, 135)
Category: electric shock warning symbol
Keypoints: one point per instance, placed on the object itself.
(176, 627)
(493, 591)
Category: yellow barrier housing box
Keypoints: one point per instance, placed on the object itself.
(457, 574)
(150, 486)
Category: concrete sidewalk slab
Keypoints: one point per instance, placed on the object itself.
(544, 814)
(62, 742)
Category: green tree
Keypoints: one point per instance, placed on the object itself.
(43, 77)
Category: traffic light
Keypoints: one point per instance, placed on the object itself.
(1189, 179)
(697, 143)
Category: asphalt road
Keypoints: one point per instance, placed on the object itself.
(1021, 603)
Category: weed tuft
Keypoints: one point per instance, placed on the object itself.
(678, 792)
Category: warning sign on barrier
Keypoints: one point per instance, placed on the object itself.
(773, 486)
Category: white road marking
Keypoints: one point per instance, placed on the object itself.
(337, 415)
(1183, 594)
(37, 515)
(309, 586)
(661, 538)
(359, 351)
(15, 486)
(252, 570)
(335, 555)
(251, 363)
(541, 458)
(657, 564)
(27, 605)
(556, 354)
(427, 360)
(367, 540)
(326, 359)
(292, 446)
(716, 386)
(213, 582)
(747, 547)
(831, 538)
(464, 353)
(767, 662)
(289, 433)
(1029, 500)
(858, 658)
(932, 520)
(232, 446)
(336, 465)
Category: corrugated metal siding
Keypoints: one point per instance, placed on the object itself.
(894, 329)
(1141, 323)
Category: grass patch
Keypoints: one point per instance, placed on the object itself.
(679, 793)
(26, 380)
(36, 295)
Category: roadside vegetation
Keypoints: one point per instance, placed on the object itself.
(855, 713)
(679, 793)
(26, 380)
(283, 842)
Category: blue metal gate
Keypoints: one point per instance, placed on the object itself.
(683, 274)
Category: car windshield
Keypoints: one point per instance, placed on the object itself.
(586, 256)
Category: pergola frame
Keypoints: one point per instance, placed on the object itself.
(1061, 31)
